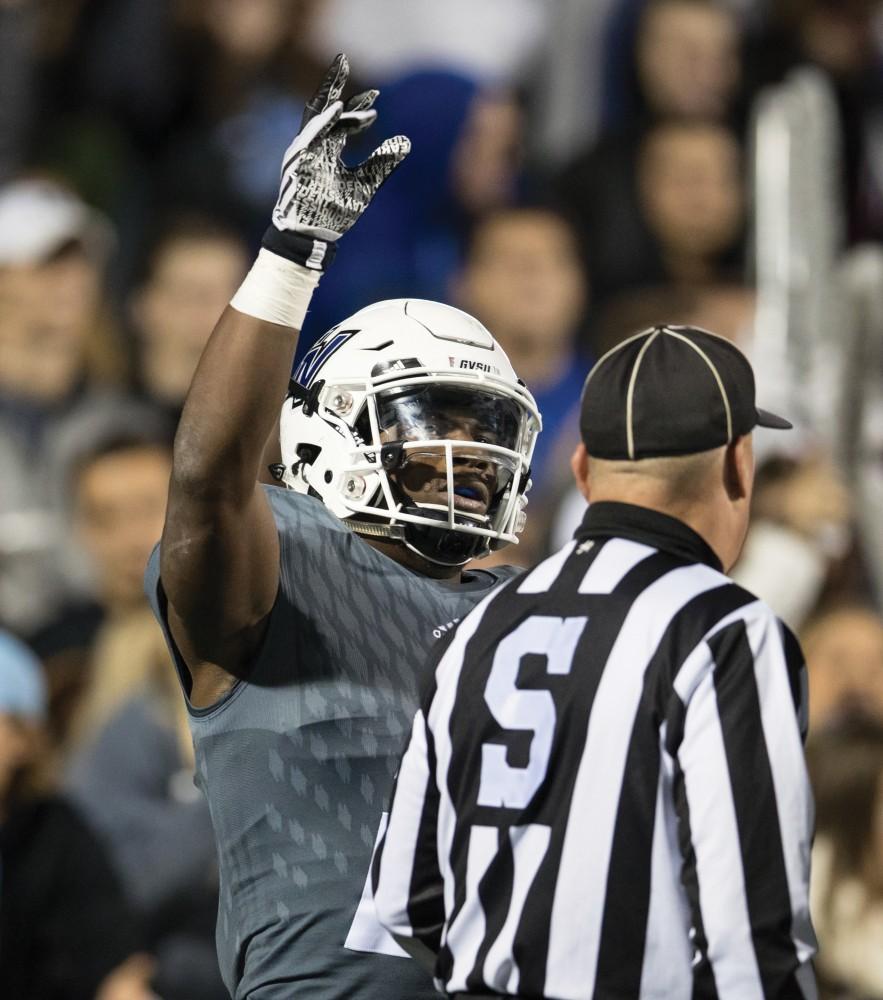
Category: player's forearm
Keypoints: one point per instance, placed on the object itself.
(232, 406)
(241, 379)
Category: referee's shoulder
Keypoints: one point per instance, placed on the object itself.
(755, 613)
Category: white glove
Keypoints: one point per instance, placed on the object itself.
(320, 197)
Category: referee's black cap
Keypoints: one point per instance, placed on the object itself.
(670, 390)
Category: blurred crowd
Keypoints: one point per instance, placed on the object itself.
(580, 170)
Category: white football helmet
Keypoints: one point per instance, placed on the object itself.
(408, 422)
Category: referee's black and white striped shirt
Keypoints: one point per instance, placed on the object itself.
(604, 794)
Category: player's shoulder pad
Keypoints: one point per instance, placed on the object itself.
(504, 574)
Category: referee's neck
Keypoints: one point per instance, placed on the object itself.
(709, 492)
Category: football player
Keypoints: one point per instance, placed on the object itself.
(299, 615)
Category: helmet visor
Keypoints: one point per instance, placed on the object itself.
(449, 413)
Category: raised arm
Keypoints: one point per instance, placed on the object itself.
(219, 562)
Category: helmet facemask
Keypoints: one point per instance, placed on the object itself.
(452, 458)
(442, 460)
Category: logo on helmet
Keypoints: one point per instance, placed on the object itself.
(319, 353)
(472, 366)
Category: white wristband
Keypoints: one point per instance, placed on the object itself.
(276, 290)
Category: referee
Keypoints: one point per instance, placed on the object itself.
(604, 795)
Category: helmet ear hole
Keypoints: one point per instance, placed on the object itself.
(329, 475)
(308, 453)
(363, 426)
(392, 456)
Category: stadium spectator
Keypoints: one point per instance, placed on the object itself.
(522, 277)
(134, 783)
(193, 269)
(687, 62)
(65, 928)
(846, 768)
(59, 360)
(94, 649)
(674, 213)
(844, 654)
(801, 533)
(244, 63)
(690, 189)
(683, 67)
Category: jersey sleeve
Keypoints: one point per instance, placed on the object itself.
(407, 882)
(745, 812)
(151, 582)
(160, 606)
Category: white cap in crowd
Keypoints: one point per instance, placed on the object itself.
(38, 217)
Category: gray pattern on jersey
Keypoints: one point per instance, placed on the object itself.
(296, 763)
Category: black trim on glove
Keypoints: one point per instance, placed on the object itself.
(315, 254)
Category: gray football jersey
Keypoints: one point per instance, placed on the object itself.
(297, 762)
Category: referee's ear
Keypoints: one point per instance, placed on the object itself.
(739, 469)
(579, 464)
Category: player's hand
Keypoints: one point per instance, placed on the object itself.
(320, 197)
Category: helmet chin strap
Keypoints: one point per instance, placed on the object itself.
(439, 545)
(436, 543)
(376, 529)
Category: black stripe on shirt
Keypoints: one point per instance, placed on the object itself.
(704, 985)
(426, 901)
(796, 666)
(757, 818)
(495, 893)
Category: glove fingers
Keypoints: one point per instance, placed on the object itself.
(317, 127)
(335, 140)
(353, 122)
(329, 119)
(329, 89)
(381, 163)
(361, 102)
